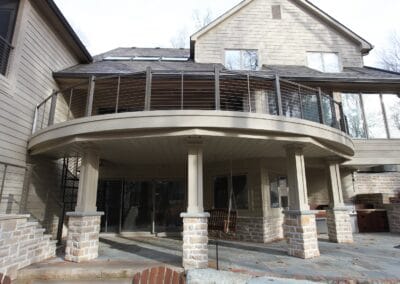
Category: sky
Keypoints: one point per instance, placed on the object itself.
(155, 23)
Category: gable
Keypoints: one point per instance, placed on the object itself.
(301, 29)
(317, 12)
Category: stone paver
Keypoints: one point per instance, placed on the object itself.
(371, 257)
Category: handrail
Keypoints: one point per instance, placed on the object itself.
(190, 89)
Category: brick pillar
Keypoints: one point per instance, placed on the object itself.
(301, 234)
(339, 226)
(83, 236)
(195, 240)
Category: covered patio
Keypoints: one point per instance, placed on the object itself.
(372, 258)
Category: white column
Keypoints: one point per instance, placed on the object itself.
(296, 172)
(88, 180)
(195, 234)
(338, 218)
(195, 178)
(335, 185)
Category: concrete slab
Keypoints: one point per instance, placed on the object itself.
(372, 258)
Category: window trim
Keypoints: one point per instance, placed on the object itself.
(241, 58)
(321, 53)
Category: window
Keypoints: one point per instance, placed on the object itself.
(354, 115)
(374, 116)
(8, 12)
(392, 108)
(241, 59)
(323, 61)
(222, 186)
(276, 12)
(278, 192)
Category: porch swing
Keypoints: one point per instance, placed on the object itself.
(224, 220)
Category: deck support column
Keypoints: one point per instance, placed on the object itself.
(84, 222)
(338, 218)
(299, 227)
(195, 234)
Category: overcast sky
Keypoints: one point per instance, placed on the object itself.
(151, 23)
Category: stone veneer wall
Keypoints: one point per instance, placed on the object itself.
(22, 243)
(388, 184)
(393, 211)
(83, 237)
(339, 226)
(254, 229)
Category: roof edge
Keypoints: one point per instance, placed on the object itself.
(220, 19)
(77, 45)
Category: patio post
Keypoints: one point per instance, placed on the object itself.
(195, 234)
(299, 227)
(338, 218)
(84, 222)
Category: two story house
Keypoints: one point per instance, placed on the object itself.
(269, 115)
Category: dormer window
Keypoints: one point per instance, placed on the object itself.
(327, 62)
(241, 59)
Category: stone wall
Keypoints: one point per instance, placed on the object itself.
(393, 211)
(22, 243)
(254, 229)
(83, 237)
(386, 183)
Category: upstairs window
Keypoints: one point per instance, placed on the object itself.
(324, 61)
(241, 59)
(8, 14)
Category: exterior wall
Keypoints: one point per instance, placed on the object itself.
(386, 183)
(38, 52)
(22, 243)
(282, 42)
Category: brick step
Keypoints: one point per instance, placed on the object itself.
(40, 231)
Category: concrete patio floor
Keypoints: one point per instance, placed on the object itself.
(372, 258)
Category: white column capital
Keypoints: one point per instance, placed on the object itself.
(294, 147)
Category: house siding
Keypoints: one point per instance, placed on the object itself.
(280, 42)
(38, 52)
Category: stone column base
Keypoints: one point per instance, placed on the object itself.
(339, 226)
(83, 236)
(301, 234)
(195, 240)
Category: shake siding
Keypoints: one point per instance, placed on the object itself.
(281, 42)
(38, 52)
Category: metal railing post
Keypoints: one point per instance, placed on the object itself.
(278, 95)
(35, 118)
(53, 105)
(118, 91)
(89, 101)
(320, 108)
(301, 104)
(217, 89)
(149, 79)
(69, 103)
(384, 116)
(248, 91)
(181, 90)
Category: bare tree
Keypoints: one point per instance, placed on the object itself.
(201, 19)
(390, 57)
(181, 38)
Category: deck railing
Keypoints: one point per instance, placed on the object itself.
(195, 90)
